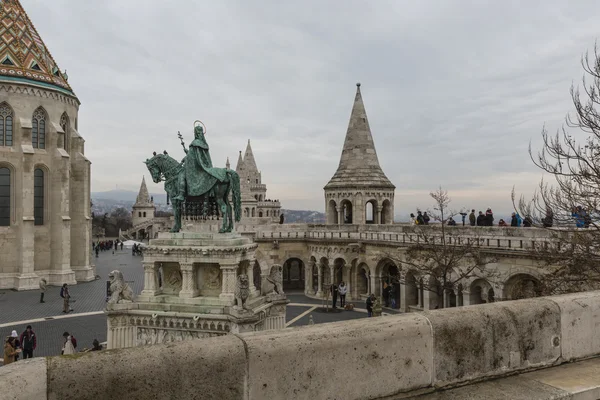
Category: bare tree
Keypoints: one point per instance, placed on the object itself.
(570, 204)
(443, 256)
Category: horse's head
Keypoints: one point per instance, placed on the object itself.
(154, 166)
(161, 165)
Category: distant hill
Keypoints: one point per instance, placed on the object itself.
(126, 195)
(303, 216)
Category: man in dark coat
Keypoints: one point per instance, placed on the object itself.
(480, 219)
(28, 342)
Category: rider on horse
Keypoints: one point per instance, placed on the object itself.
(192, 182)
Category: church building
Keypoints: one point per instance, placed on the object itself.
(45, 224)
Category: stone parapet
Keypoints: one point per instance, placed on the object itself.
(391, 356)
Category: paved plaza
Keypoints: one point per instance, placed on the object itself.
(88, 322)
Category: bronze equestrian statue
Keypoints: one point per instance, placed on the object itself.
(195, 186)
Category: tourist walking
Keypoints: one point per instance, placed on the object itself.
(472, 218)
(334, 294)
(342, 289)
(97, 250)
(64, 293)
(11, 352)
(480, 219)
(69, 344)
(43, 285)
(370, 301)
(28, 342)
(426, 218)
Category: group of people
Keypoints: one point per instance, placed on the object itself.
(136, 250)
(24, 344)
(338, 290)
(420, 219)
(106, 245)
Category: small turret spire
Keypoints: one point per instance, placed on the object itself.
(143, 197)
(227, 165)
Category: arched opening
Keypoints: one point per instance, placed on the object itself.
(253, 209)
(412, 290)
(332, 215)
(386, 213)
(38, 196)
(38, 128)
(256, 275)
(459, 295)
(144, 214)
(362, 281)
(293, 274)
(5, 196)
(390, 284)
(260, 214)
(315, 274)
(64, 123)
(522, 286)
(346, 206)
(6, 125)
(436, 293)
(326, 273)
(479, 291)
(370, 208)
(267, 213)
(338, 272)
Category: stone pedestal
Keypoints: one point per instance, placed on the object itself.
(190, 281)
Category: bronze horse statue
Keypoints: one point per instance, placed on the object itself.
(165, 168)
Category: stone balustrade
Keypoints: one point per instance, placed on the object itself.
(399, 355)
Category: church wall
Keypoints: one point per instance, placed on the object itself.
(30, 251)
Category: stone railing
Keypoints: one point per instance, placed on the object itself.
(383, 357)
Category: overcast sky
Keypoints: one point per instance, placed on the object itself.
(454, 90)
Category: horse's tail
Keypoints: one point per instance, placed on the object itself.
(237, 196)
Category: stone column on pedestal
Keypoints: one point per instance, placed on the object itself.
(308, 278)
(404, 297)
(466, 295)
(446, 298)
(320, 282)
(228, 272)
(340, 214)
(250, 272)
(189, 287)
(378, 214)
(151, 287)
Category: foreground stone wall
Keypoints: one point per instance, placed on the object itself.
(360, 359)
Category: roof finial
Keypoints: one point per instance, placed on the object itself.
(357, 84)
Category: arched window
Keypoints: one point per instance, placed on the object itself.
(38, 197)
(140, 214)
(6, 125)
(64, 123)
(4, 196)
(38, 129)
(144, 214)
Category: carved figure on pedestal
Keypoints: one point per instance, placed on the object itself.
(242, 291)
(174, 280)
(213, 280)
(274, 282)
(120, 291)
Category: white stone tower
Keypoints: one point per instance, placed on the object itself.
(45, 213)
(143, 209)
(359, 192)
(254, 193)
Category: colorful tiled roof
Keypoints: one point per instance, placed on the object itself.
(23, 53)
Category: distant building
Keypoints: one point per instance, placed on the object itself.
(45, 222)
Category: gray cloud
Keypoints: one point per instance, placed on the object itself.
(454, 90)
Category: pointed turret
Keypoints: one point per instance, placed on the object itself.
(359, 165)
(249, 161)
(143, 198)
(227, 164)
(23, 54)
(240, 163)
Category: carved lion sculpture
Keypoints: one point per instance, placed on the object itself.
(242, 291)
(276, 278)
(120, 291)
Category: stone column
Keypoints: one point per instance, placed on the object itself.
(426, 299)
(189, 287)
(378, 210)
(250, 273)
(340, 213)
(420, 291)
(320, 282)
(308, 278)
(466, 298)
(151, 287)
(404, 297)
(228, 271)
(446, 298)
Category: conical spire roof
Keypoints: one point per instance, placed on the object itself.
(143, 198)
(249, 161)
(23, 54)
(359, 165)
(240, 163)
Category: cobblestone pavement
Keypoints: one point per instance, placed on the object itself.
(88, 296)
(88, 322)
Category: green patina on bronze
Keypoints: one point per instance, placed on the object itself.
(194, 184)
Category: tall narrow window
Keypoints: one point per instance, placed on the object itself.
(64, 123)
(4, 196)
(6, 125)
(38, 129)
(38, 197)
